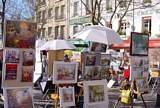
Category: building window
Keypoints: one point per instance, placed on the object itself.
(42, 2)
(39, 32)
(122, 3)
(50, 13)
(62, 11)
(88, 7)
(62, 31)
(43, 15)
(39, 16)
(108, 5)
(43, 32)
(147, 1)
(49, 31)
(123, 28)
(146, 25)
(56, 12)
(75, 9)
(56, 31)
(75, 29)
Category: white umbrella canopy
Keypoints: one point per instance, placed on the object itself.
(100, 34)
(57, 44)
(40, 42)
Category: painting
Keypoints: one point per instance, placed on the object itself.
(27, 73)
(95, 94)
(98, 47)
(19, 97)
(11, 71)
(65, 72)
(105, 73)
(142, 84)
(12, 55)
(92, 59)
(20, 34)
(28, 58)
(139, 44)
(67, 96)
(92, 73)
(105, 59)
(139, 67)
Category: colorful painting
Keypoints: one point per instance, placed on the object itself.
(28, 58)
(91, 59)
(105, 59)
(139, 67)
(27, 73)
(104, 70)
(18, 97)
(98, 47)
(65, 72)
(12, 55)
(20, 34)
(95, 94)
(139, 44)
(11, 71)
(92, 73)
(67, 97)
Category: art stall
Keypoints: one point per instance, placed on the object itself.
(18, 64)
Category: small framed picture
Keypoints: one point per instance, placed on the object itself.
(11, 71)
(18, 97)
(92, 59)
(27, 73)
(65, 72)
(105, 59)
(98, 47)
(12, 55)
(95, 94)
(67, 96)
(139, 44)
(28, 58)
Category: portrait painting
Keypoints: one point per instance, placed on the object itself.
(92, 73)
(139, 44)
(11, 71)
(139, 67)
(12, 55)
(105, 59)
(20, 34)
(95, 94)
(27, 73)
(28, 58)
(19, 97)
(67, 96)
(65, 72)
(98, 47)
(92, 59)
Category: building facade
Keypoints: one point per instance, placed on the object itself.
(52, 19)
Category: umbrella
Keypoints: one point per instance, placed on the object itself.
(57, 45)
(99, 34)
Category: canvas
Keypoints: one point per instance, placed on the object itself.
(19, 97)
(11, 71)
(67, 96)
(105, 59)
(98, 47)
(20, 34)
(27, 73)
(95, 94)
(28, 57)
(12, 55)
(91, 59)
(65, 72)
(139, 44)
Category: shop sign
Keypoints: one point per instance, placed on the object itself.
(80, 20)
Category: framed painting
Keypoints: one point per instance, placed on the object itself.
(20, 34)
(98, 47)
(92, 73)
(95, 94)
(139, 44)
(67, 96)
(105, 59)
(11, 71)
(18, 97)
(104, 70)
(65, 72)
(27, 73)
(92, 59)
(139, 67)
(28, 58)
(12, 55)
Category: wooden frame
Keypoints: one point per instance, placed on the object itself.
(139, 44)
(65, 72)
